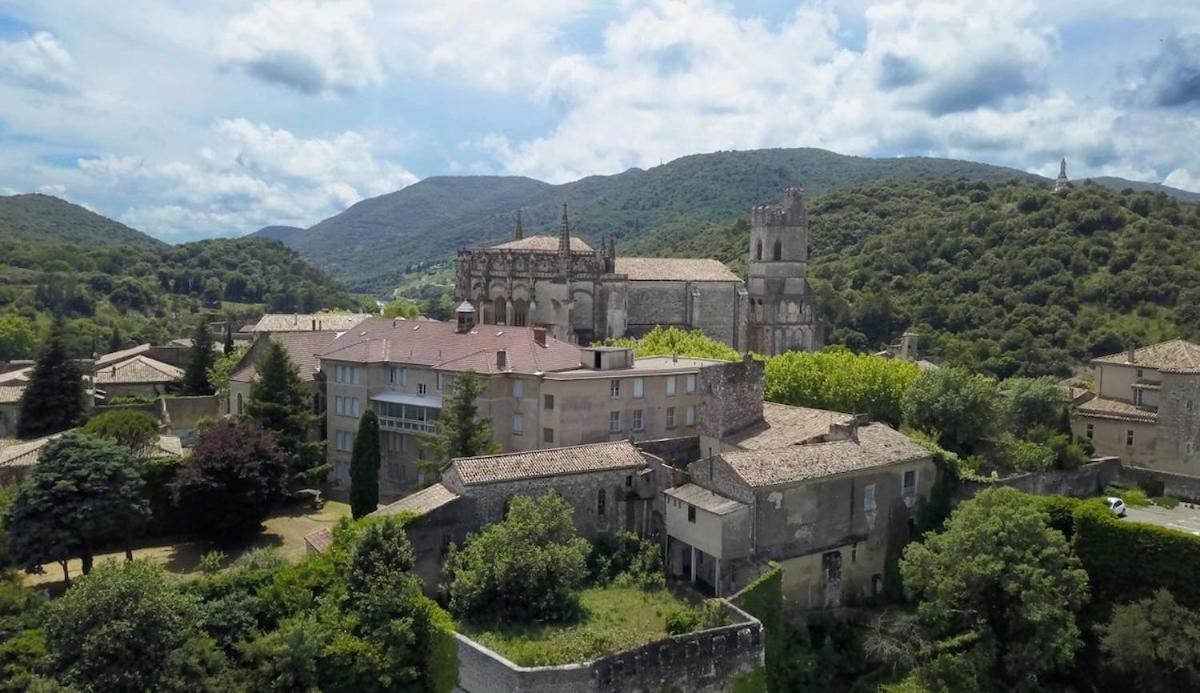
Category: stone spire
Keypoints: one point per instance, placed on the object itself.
(520, 232)
(1062, 185)
(612, 246)
(564, 233)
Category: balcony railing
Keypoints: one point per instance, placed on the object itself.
(389, 423)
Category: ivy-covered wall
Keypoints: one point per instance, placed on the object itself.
(763, 599)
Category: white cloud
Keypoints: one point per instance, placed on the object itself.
(312, 46)
(39, 62)
(1184, 179)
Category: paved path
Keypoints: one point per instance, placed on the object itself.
(1181, 517)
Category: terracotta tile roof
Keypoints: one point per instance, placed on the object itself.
(704, 499)
(674, 269)
(320, 540)
(307, 322)
(11, 393)
(420, 503)
(544, 243)
(439, 345)
(138, 369)
(302, 348)
(117, 356)
(25, 453)
(785, 425)
(577, 459)
(1108, 408)
(877, 446)
(1176, 355)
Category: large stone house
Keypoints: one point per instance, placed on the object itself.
(1143, 407)
(581, 294)
(302, 349)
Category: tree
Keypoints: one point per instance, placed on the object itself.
(679, 342)
(129, 627)
(200, 360)
(400, 308)
(231, 481)
(1156, 641)
(544, 565)
(82, 491)
(281, 404)
(840, 380)
(228, 346)
(460, 432)
(115, 341)
(961, 408)
(17, 337)
(132, 429)
(364, 467)
(222, 369)
(1034, 402)
(53, 399)
(1001, 577)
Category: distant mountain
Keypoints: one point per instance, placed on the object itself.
(277, 233)
(1140, 186)
(36, 218)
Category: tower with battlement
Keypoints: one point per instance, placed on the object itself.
(1062, 186)
(782, 314)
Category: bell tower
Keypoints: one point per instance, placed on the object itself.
(781, 300)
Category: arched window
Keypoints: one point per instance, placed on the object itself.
(600, 509)
(501, 310)
(758, 250)
(778, 250)
(520, 313)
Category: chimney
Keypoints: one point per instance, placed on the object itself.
(539, 336)
(501, 360)
(1131, 354)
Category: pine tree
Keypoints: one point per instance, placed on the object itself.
(195, 374)
(53, 399)
(281, 404)
(460, 433)
(364, 467)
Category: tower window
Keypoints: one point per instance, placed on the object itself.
(778, 250)
(758, 249)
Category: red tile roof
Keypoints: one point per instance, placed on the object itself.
(302, 349)
(440, 345)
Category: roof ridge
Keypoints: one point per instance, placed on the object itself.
(545, 450)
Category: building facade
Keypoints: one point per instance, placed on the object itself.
(581, 294)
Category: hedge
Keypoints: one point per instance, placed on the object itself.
(763, 599)
(1061, 510)
(1127, 560)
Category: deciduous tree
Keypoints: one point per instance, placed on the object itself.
(840, 380)
(961, 408)
(17, 337)
(132, 429)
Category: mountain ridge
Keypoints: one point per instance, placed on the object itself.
(40, 219)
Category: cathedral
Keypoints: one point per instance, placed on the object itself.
(584, 294)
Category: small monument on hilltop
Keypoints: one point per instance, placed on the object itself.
(1062, 186)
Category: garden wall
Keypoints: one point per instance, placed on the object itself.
(707, 662)
(1182, 487)
(1089, 480)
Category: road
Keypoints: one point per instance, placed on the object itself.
(1182, 518)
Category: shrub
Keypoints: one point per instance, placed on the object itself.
(682, 621)
(1167, 502)
(627, 559)
(1135, 497)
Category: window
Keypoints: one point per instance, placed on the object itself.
(1137, 397)
(396, 442)
(548, 435)
(628, 480)
(421, 389)
(689, 383)
(689, 416)
(614, 388)
(670, 417)
(910, 481)
(351, 375)
(547, 401)
(600, 500)
(347, 406)
(399, 376)
(1090, 431)
(758, 250)
(639, 388)
(1129, 438)
(869, 498)
(614, 421)
(778, 251)
(518, 389)
(437, 381)
(1139, 372)
(1189, 405)
(637, 420)
(518, 424)
(345, 441)
(691, 513)
(670, 386)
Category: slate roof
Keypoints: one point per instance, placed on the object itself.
(877, 446)
(532, 464)
(302, 348)
(549, 243)
(138, 369)
(439, 345)
(420, 503)
(1120, 410)
(674, 269)
(307, 322)
(785, 425)
(704, 499)
(1174, 356)
(10, 394)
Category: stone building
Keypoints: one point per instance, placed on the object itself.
(1143, 407)
(1062, 186)
(302, 349)
(581, 294)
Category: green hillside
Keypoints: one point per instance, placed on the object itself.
(36, 218)
(277, 233)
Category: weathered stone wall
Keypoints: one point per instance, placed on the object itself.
(731, 397)
(1088, 480)
(708, 661)
(656, 303)
(1178, 429)
(677, 452)
(1180, 486)
(431, 535)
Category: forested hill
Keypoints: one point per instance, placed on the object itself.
(1008, 278)
(277, 233)
(36, 218)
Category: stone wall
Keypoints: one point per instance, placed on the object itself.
(1089, 480)
(676, 452)
(1183, 487)
(731, 397)
(707, 661)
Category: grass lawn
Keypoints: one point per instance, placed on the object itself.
(283, 531)
(615, 619)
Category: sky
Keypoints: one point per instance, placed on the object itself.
(188, 120)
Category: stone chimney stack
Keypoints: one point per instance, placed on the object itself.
(564, 233)
(501, 360)
(539, 336)
(1131, 354)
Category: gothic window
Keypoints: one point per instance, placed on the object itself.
(520, 313)
(778, 250)
(501, 310)
(758, 250)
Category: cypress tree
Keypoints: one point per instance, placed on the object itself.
(228, 338)
(201, 358)
(460, 432)
(115, 342)
(53, 399)
(281, 404)
(364, 467)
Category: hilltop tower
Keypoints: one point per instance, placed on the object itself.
(781, 300)
(1062, 186)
